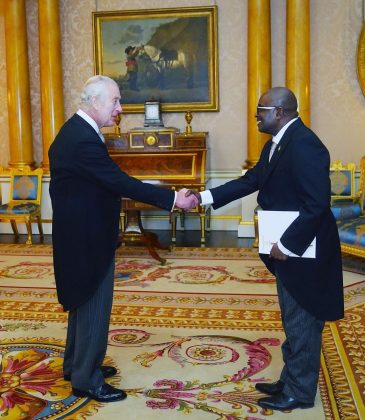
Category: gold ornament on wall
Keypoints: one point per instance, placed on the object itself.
(117, 132)
(361, 59)
(188, 119)
(117, 126)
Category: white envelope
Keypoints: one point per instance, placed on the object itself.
(272, 225)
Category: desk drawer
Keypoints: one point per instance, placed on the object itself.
(190, 142)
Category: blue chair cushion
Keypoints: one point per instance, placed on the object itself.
(352, 232)
(345, 210)
(13, 208)
(25, 187)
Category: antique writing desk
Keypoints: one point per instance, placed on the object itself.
(164, 157)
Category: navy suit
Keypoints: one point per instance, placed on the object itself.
(86, 189)
(297, 179)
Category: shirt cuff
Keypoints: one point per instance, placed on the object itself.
(206, 197)
(284, 250)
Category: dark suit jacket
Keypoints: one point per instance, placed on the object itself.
(297, 179)
(86, 188)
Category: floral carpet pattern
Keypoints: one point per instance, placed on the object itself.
(190, 339)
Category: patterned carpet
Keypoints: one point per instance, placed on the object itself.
(190, 339)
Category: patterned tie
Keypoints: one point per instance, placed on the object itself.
(272, 150)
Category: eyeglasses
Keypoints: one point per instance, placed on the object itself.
(264, 108)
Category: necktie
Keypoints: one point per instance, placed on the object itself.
(272, 150)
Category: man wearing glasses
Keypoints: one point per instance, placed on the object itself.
(292, 174)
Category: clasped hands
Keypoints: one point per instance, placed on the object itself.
(187, 199)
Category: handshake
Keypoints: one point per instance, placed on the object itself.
(187, 199)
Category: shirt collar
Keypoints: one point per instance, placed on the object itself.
(280, 134)
(88, 119)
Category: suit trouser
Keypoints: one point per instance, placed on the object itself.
(87, 336)
(301, 349)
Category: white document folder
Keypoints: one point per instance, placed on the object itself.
(272, 225)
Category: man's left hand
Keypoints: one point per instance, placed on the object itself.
(277, 254)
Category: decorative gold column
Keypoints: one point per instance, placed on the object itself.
(298, 54)
(50, 73)
(258, 72)
(20, 122)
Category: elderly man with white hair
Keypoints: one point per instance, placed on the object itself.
(86, 189)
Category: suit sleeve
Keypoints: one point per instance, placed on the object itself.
(93, 162)
(310, 172)
(245, 185)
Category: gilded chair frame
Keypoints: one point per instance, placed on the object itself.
(27, 218)
(361, 191)
(356, 250)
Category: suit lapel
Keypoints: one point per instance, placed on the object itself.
(280, 149)
(87, 126)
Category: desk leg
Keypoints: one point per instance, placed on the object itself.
(208, 214)
(202, 228)
(122, 220)
(151, 241)
(182, 220)
(173, 217)
(134, 232)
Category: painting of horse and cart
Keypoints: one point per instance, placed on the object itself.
(166, 54)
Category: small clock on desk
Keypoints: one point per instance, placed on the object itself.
(152, 114)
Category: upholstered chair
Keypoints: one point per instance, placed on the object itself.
(352, 229)
(24, 203)
(344, 200)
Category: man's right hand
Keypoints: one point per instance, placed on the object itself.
(194, 192)
(186, 201)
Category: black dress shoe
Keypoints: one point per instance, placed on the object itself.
(105, 393)
(271, 389)
(107, 371)
(282, 402)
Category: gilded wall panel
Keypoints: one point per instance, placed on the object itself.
(4, 130)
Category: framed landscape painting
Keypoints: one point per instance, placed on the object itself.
(169, 55)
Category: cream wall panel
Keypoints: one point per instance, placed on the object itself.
(338, 106)
(278, 41)
(33, 59)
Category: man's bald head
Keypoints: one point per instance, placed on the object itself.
(283, 97)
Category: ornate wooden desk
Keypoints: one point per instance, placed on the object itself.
(165, 158)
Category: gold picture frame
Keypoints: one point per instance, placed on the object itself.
(361, 59)
(169, 55)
